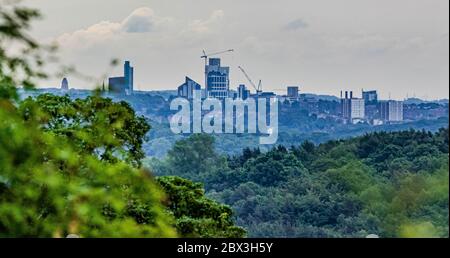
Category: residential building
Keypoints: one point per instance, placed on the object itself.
(352, 109)
(357, 109)
(391, 111)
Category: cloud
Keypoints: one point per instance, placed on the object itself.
(296, 25)
(93, 34)
(204, 26)
(145, 24)
(141, 20)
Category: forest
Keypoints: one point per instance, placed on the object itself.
(389, 184)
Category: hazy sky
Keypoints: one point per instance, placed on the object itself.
(399, 47)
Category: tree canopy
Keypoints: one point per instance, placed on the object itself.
(390, 184)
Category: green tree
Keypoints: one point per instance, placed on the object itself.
(96, 125)
(195, 158)
(84, 121)
(196, 215)
(48, 187)
(391, 184)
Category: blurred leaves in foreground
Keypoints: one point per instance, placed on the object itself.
(73, 166)
(48, 187)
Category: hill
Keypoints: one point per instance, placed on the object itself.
(390, 184)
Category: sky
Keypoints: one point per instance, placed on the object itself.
(400, 48)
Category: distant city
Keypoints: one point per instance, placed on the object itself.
(348, 109)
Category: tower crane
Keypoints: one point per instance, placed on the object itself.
(205, 56)
(257, 88)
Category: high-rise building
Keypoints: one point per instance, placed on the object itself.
(243, 92)
(65, 84)
(352, 109)
(391, 111)
(370, 97)
(123, 84)
(129, 75)
(345, 106)
(292, 92)
(217, 79)
(357, 109)
(186, 90)
(371, 102)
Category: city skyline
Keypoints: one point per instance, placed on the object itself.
(320, 49)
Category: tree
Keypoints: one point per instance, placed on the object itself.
(97, 125)
(48, 187)
(112, 133)
(18, 69)
(389, 184)
(196, 215)
(195, 158)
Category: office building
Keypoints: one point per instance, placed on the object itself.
(391, 111)
(123, 84)
(370, 97)
(217, 79)
(186, 90)
(129, 76)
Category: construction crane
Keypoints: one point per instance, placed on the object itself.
(205, 56)
(257, 88)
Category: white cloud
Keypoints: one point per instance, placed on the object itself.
(141, 20)
(205, 26)
(91, 35)
(149, 40)
(157, 30)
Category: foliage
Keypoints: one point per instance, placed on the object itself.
(96, 125)
(48, 188)
(73, 166)
(192, 158)
(390, 184)
(112, 133)
(196, 215)
(23, 63)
